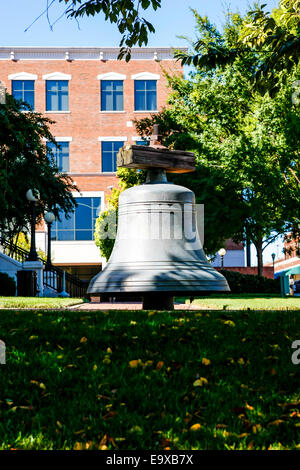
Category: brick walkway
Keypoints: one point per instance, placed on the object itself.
(128, 306)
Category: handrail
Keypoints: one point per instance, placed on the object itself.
(53, 275)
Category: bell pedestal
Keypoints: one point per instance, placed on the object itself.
(158, 301)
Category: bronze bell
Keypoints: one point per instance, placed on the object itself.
(157, 252)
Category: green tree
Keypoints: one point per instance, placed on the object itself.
(107, 221)
(125, 13)
(24, 165)
(245, 138)
(274, 38)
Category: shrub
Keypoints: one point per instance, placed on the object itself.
(7, 285)
(250, 283)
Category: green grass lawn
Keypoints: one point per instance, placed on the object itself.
(139, 380)
(37, 302)
(246, 301)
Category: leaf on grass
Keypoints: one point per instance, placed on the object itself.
(32, 337)
(229, 323)
(205, 361)
(221, 426)
(81, 431)
(277, 422)
(135, 363)
(200, 382)
(159, 365)
(110, 415)
(83, 339)
(195, 427)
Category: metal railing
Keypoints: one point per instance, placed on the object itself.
(54, 277)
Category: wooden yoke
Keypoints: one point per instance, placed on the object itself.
(155, 156)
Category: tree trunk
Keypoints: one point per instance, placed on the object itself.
(259, 253)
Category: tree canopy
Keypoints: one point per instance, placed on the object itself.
(240, 136)
(274, 38)
(127, 14)
(25, 164)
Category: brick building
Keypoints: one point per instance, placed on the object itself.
(93, 99)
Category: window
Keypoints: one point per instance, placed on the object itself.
(145, 142)
(109, 155)
(60, 155)
(24, 90)
(145, 95)
(111, 95)
(81, 224)
(57, 95)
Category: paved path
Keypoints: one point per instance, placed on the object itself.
(127, 306)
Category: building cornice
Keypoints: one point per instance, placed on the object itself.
(69, 54)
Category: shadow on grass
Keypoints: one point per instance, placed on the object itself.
(138, 380)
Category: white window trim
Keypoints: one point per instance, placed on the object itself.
(57, 76)
(113, 139)
(59, 139)
(22, 76)
(145, 76)
(138, 137)
(111, 76)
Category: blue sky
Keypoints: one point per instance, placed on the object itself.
(172, 20)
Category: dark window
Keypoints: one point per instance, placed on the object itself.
(145, 95)
(24, 90)
(81, 224)
(57, 95)
(60, 155)
(111, 95)
(109, 156)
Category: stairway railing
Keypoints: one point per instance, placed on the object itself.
(53, 275)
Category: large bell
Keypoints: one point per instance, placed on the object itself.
(157, 252)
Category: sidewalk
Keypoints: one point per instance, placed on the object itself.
(127, 306)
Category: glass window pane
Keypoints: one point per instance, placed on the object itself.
(140, 85)
(28, 85)
(140, 104)
(151, 100)
(151, 85)
(83, 218)
(118, 102)
(83, 235)
(64, 101)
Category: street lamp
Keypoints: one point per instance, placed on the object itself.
(273, 258)
(222, 253)
(49, 219)
(32, 196)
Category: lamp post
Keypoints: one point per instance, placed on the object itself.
(273, 258)
(32, 200)
(222, 253)
(49, 219)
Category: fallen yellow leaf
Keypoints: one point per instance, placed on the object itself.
(205, 361)
(200, 382)
(83, 339)
(195, 427)
(135, 363)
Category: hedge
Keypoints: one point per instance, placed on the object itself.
(7, 285)
(250, 283)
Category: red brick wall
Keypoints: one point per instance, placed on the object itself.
(268, 271)
(85, 123)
